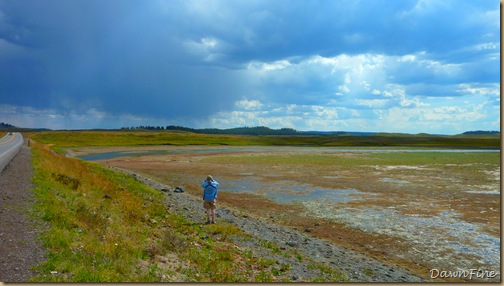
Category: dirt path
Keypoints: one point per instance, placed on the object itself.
(19, 247)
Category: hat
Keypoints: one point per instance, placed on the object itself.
(209, 177)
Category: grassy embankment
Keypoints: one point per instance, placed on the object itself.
(105, 226)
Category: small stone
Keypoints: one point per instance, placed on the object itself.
(291, 243)
(308, 230)
(164, 190)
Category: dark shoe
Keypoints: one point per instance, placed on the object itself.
(207, 222)
(213, 222)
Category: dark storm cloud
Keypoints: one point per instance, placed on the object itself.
(170, 59)
(114, 55)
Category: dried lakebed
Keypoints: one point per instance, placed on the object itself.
(437, 213)
(354, 266)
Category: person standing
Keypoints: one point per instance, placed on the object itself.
(209, 197)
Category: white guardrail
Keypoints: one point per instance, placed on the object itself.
(11, 149)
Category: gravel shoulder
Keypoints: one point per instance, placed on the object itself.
(19, 247)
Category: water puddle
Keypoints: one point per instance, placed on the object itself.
(492, 192)
(118, 154)
(287, 192)
(389, 180)
(136, 153)
(315, 194)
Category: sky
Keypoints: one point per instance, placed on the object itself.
(408, 66)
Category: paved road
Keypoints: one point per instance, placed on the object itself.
(9, 147)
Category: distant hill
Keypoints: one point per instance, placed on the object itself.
(12, 128)
(336, 133)
(258, 130)
(480, 132)
(6, 125)
(266, 131)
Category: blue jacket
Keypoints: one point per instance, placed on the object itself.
(210, 190)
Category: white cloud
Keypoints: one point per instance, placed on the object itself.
(207, 48)
(249, 104)
(372, 103)
(325, 112)
(343, 88)
(263, 66)
(483, 90)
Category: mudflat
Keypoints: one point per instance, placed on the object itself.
(424, 210)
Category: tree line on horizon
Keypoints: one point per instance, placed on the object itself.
(258, 130)
(246, 130)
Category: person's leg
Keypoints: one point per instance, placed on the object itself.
(213, 215)
(207, 211)
(209, 214)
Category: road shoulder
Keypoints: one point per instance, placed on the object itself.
(20, 249)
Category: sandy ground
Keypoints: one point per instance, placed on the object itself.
(420, 217)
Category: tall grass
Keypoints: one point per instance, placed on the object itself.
(101, 223)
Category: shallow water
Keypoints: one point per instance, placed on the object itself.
(389, 180)
(117, 154)
(287, 192)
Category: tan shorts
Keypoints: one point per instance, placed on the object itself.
(209, 205)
